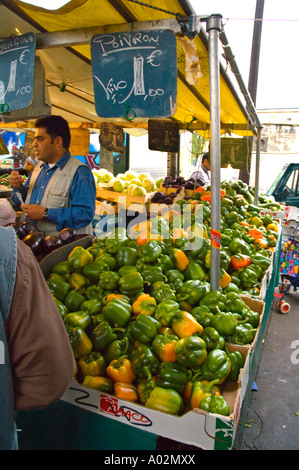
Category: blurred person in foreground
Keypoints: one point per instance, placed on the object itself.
(202, 175)
(36, 358)
(60, 192)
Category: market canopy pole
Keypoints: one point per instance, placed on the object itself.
(213, 27)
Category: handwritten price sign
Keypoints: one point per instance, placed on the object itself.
(17, 57)
(135, 74)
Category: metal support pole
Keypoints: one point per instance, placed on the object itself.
(213, 28)
(257, 164)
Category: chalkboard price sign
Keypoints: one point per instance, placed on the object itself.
(17, 55)
(134, 74)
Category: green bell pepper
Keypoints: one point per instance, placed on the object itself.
(131, 284)
(93, 364)
(175, 279)
(144, 389)
(109, 280)
(126, 256)
(194, 271)
(91, 306)
(152, 274)
(63, 269)
(216, 366)
(58, 286)
(123, 270)
(212, 338)
(213, 299)
(61, 307)
(144, 328)
(162, 291)
(224, 322)
(172, 375)
(190, 351)
(150, 251)
(215, 404)
(78, 281)
(115, 242)
(237, 362)
(73, 301)
(203, 315)
(93, 292)
(248, 278)
(117, 312)
(116, 349)
(144, 362)
(193, 291)
(78, 258)
(165, 401)
(165, 262)
(238, 245)
(93, 270)
(80, 342)
(198, 248)
(79, 318)
(261, 261)
(231, 217)
(166, 311)
(106, 258)
(244, 334)
(102, 335)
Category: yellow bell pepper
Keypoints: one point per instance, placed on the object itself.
(120, 370)
(184, 324)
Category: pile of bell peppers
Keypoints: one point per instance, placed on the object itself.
(142, 319)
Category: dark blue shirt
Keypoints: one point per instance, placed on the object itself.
(82, 195)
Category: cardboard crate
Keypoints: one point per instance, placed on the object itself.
(195, 427)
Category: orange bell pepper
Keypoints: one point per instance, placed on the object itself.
(144, 304)
(225, 279)
(240, 261)
(143, 237)
(262, 242)
(180, 259)
(255, 233)
(184, 324)
(120, 370)
(125, 391)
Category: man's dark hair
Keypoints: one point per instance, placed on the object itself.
(56, 126)
(206, 156)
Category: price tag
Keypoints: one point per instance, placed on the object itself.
(17, 58)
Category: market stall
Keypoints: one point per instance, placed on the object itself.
(206, 103)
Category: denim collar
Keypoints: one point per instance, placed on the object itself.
(60, 163)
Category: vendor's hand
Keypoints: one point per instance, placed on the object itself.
(15, 179)
(33, 211)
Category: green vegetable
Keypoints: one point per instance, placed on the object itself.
(162, 291)
(172, 375)
(144, 328)
(78, 258)
(58, 286)
(165, 400)
(102, 335)
(193, 291)
(215, 404)
(190, 351)
(144, 362)
(212, 338)
(166, 311)
(79, 318)
(216, 366)
(73, 301)
(150, 251)
(131, 284)
(224, 322)
(117, 312)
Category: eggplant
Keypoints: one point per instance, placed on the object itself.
(20, 232)
(50, 243)
(67, 235)
(28, 227)
(35, 240)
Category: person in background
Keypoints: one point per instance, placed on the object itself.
(60, 192)
(36, 358)
(7, 214)
(202, 176)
